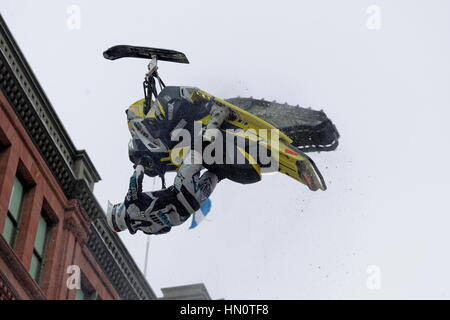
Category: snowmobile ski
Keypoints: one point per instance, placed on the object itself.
(127, 51)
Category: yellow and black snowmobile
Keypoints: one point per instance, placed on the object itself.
(280, 133)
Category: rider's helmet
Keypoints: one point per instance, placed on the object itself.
(116, 217)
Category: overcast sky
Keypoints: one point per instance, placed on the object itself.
(381, 230)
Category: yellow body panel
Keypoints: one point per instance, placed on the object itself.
(245, 117)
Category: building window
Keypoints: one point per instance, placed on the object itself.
(86, 293)
(40, 242)
(15, 207)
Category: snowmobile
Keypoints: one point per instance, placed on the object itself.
(296, 130)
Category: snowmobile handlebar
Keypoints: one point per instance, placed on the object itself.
(153, 54)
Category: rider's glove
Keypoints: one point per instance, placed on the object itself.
(135, 190)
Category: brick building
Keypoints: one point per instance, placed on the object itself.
(49, 217)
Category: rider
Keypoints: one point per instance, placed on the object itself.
(157, 211)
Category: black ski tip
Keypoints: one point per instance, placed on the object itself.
(127, 51)
(108, 55)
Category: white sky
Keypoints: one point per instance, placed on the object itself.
(386, 90)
